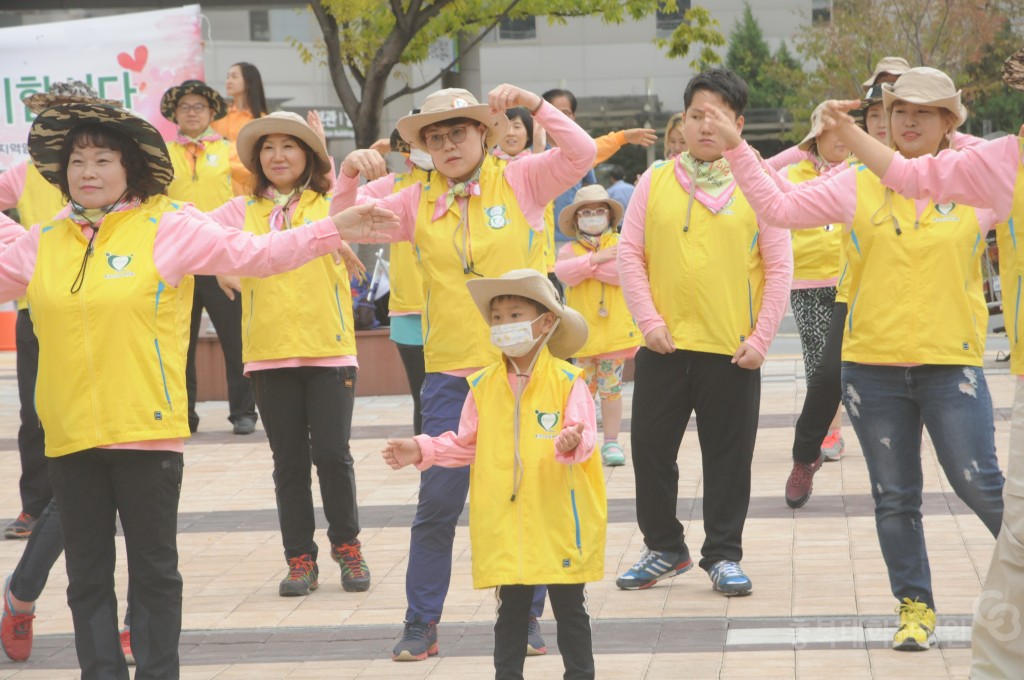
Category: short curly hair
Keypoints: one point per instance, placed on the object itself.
(141, 183)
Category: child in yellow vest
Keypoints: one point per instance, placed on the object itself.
(588, 267)
(527, 430)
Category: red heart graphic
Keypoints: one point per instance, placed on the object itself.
(136, 63)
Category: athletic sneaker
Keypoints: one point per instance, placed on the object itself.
(654, 566)
(302, 577)
(21, 527)
(917, 627)
(801, 483)
(355, 575)
(419, 640)
(15, 629)
(535, 645)
(612, 455)
(833, 447)
(728, 578)
(126, 646)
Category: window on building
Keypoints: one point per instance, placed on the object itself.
(259, 25)
(518, 29)
(821, 11)
(667, 21)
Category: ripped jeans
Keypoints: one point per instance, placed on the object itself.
(888, 406)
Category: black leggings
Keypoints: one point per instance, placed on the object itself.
(824, 391)
(569, 604)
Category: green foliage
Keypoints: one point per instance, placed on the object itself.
(769, 76)
(700, 31)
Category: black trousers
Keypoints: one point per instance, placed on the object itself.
(226, 316)
(415, 372)
(824, 393)
(575, 644)
(35, 478)
(143, 487)
(307, 414)
(726, 398)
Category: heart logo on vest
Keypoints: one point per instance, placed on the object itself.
(945, 208)
(547, 420)
(496, 218)
(118, 262)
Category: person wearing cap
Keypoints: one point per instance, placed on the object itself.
(590, 271)
(915, 333)
(538, 513)
(988, 175)
(202, 177)
(299, 347)
(108, 281)
(478, 217)
(707, 282)
(36, 200)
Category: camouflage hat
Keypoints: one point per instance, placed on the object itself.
(67, 92)
(169, 103)
(1013, 71)
(52, 126)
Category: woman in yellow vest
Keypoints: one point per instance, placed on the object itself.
(479, 216)
(915, 332)
(109, 285)
(589, 269)
(299, 348)
(538, 514)
(202, 177)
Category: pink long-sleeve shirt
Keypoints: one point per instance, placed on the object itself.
(188, 242)
(232, 214)
(12, 185)
(9, 229)
(458, 449)
(575, 269)
(776, 255)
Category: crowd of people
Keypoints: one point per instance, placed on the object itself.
(520, 290)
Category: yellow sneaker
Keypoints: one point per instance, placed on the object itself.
(917, 627)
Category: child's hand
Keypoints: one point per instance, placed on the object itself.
(569, 438)
(747, 357)
(723, 125)
(401, 452)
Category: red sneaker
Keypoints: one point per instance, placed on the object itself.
(833, 447)
(15, 630)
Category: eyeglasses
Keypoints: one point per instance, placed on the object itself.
(457, 135)
(193, 108)
(593, 212)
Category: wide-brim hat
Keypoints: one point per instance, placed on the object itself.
(588, 195)
(280, 123)
(817, 125)
(452, 102)
(1013, 70)
(571, 333)
(896, 66)
(51, 127)
(169, 103)
(69, 91)
(928, 87)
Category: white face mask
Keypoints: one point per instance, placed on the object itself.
(514, 339)
(593, 225)
(421, 159)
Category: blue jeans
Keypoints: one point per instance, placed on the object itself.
(888, 405)
(442, 497)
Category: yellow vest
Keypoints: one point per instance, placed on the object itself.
(706, 282)
(613, 331)
(843, 284)
(406, 280)
(112, 355)
(1011, 268)
(209, 186)
(39, 202)
(306, 312)
(915, 297)
(815, 251)
(455, 336)
(550, 250)
(554, 531)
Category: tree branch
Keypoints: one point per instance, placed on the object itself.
(332, 44)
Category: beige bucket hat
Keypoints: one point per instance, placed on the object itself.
(1013, 71)
(816, 128)
(281, 123)
(571, 333)
(928, 86)
(452, 102)
(896, 66)
(588, 195)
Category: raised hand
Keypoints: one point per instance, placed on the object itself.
(366, 162)
(367, 223)
(835, 113)
(505, 97)
(352, 262)
(569, 438)
(382, 146)
(724, 125)
(398, 453)
(641, 136)
(313, 118)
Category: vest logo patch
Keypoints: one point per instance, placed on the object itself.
(157, 415)
(566, 563)
(966, 346)
(496, 218)
(548, 420)
(119, 263)
(945, 208)
(211, 158)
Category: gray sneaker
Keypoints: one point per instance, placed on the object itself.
(728, 578)
(535, 645)
(419, 640)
